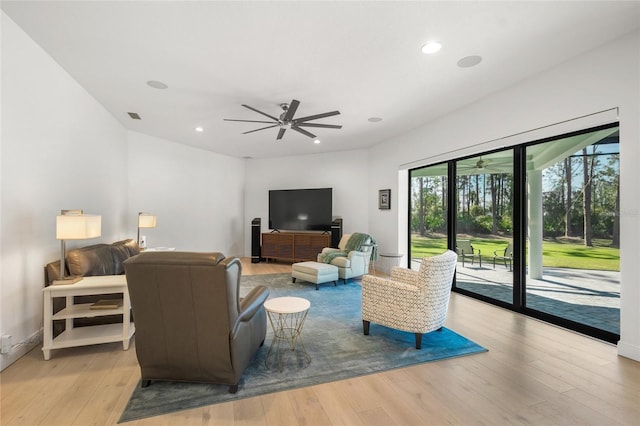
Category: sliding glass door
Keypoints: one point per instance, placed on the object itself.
(536, 227)
(484, 225)
(574, 256)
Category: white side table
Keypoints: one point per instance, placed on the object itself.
(90, 335)
(287, 316)
(391, 260)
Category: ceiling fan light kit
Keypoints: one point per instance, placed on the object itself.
(286, 120)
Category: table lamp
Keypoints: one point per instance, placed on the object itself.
(145, 220)
(73, 225)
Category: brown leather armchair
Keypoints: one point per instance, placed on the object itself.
(191, 324)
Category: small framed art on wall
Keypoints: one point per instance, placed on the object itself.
(384, 199)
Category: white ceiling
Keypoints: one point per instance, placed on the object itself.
(361, 58)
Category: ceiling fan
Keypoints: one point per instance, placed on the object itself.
(287, 120)
(489, 165)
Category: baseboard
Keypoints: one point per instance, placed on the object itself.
(628, 350)
(20, 349)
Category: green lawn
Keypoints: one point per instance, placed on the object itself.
(555, 253)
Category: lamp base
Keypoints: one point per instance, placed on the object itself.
(68, 280)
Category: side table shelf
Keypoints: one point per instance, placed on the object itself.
(89, 335)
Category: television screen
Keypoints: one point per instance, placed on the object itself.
(300, 209)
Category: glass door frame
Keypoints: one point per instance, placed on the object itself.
(520, 226)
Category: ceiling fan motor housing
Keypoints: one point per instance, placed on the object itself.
(285, 108)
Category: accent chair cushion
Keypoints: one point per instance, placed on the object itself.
(341, 262)
(342, 245)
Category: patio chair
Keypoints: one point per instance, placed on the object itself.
(466, 251)
(505, 256)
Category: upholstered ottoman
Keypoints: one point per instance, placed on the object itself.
(314, 272)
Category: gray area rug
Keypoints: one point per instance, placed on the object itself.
(332, 335)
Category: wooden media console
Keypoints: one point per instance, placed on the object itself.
(294, 246)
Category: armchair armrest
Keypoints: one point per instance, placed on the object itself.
(253, 301)
(382, 296)
(357, 256)
(325, 251)
(249, 306)
(374, 282)
(502, 253)
(330, 250)
(354, 261)
(404, 275)
(358, 262)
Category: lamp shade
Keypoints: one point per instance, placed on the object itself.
(146, 220)
(78, 226)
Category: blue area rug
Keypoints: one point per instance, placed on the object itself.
(332, 335)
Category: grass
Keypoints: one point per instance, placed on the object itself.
(559, 253)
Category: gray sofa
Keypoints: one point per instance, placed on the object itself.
(97, 259)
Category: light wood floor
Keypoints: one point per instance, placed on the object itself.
(533, 373)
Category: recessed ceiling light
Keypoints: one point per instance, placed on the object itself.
(431, 47)
(156, 84)
(316, 141)
(199, 129)
(469, 61)
(374, 119)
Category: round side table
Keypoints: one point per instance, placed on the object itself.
(392, 259)
(287, 316)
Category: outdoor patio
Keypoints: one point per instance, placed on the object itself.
(590, 297)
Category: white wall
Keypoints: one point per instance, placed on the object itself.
(197, 195)
(605, 78)
(60, 150)
(347, 172)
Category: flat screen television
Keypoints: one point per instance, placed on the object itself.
(300, 209)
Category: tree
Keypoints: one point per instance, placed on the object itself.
(587, 173)
(615, 239)
(494, 203)
(421, 213)
(568, 199)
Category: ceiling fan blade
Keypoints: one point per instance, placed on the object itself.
(249, 121)
(281, 133)
(268, 127)
(327, 126)
(293, 106)
(260, 112)
(304, 132)
(315, 117)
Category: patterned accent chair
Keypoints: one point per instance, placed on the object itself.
(413, 301)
